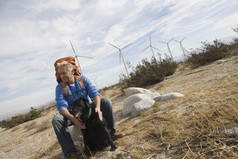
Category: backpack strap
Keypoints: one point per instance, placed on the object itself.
(63, 84)
(78, 78)
(80, 81)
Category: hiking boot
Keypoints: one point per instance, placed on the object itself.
(116, 136)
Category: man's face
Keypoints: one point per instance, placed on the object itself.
(65, 75)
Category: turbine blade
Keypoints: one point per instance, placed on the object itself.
(155, 48)
(145, 49)
(72, 47)
(84, 56)
(114, 46)
(182, 39)
(170, 39)
(126, 46)
(162, 42)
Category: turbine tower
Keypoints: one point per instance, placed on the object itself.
(151, 48)
(96, 85)
(181, 46)
(167, 43)
(76, 56)
(121, 56)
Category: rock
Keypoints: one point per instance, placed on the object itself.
(232, 130)
(168, 96)
(77, 137)
(136, 90)
(187, 69)
(131, 100)
(76, 134)
(220, 61)
(229, 98)
(120, 152)
(141, 106)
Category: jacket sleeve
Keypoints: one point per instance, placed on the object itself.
(60, 99)
(91, 89)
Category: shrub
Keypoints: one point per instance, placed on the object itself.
(212, 52)
(234, 46)
(149, 72)
(208, 53)
(16, 120)
(235, 29)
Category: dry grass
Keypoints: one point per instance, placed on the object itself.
(48, 152)
(43, 126)
(203, 124)
(30, 125)
(206, 128)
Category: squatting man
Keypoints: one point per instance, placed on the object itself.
(76, 90)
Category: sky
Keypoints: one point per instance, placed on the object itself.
(35, 33)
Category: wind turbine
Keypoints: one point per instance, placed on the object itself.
(121, 56)
(181, 46)
(151, 47)
(167, 43)
(76, 56)
(94, 79)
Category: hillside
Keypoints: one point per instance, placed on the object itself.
(203, 124)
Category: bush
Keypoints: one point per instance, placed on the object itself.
(235, 29)
(208, 53)
(16, 120)
(212, 52)
(149, 72)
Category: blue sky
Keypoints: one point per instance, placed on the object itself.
(35, 33)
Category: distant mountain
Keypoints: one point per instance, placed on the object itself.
(8, 116)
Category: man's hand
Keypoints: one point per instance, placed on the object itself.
(67, 114)
(97, 102)
(97, 110)
(79, 123)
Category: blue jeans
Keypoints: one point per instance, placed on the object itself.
(61, 123)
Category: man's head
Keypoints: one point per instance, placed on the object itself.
(65, 70)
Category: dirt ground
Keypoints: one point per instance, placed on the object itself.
(205, 86)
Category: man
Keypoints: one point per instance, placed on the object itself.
(75, 89)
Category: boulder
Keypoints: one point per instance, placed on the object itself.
(220, 61)
(131, 100)
(141, 106)
(76, 134)
(136, 90)
(168, 96)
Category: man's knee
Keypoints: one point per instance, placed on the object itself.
(57, 120)
(106, 102)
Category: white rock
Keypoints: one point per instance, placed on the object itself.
(76, 134)
(130, 101)
(168, 96)
(187, 69)
(137, 90)
(220, 61)
(141, 106)
(155, 94)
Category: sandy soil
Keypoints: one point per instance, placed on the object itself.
(36, 139)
